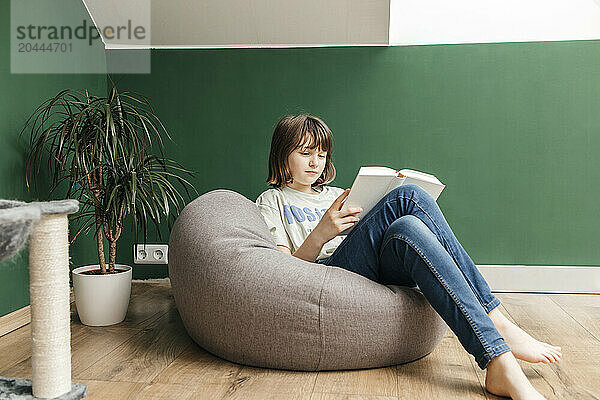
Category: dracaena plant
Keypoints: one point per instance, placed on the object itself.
(111, 152)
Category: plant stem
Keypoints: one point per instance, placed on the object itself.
(92, 182)
(112, 239)
(99, 242)
(112, 254)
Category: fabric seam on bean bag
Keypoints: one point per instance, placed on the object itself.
(322, 340)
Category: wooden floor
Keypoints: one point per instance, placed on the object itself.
(150, 356)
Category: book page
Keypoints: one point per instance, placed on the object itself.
(421, 176)
(406, 176)
(376, 171)
(369, 187)
(433, 189)
(366, 192)
(373, 183)
(397, 181)
(429, 182)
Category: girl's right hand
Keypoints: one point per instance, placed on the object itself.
(335, 221)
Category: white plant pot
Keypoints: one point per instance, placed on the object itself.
(102, 300)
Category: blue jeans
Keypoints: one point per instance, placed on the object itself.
(405, 240)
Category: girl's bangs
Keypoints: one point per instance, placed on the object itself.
(317, 136)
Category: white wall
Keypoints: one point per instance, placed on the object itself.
(226, 23)
(307, 23)
(482, 21)
(255, 23)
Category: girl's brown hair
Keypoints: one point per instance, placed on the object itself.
(295, 131)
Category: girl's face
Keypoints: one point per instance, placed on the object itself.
(302, 162)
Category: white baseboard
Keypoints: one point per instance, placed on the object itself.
(523, 278)
(542, 279)
(163, 281)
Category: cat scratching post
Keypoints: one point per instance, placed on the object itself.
(46, 224)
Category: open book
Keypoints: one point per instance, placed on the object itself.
(373, 183)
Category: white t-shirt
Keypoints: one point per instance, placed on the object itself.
(291, 215)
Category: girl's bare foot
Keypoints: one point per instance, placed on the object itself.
(523, 346)
(504, 377)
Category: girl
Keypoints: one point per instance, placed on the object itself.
(403, 240)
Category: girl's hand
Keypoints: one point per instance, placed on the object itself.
(335, 221)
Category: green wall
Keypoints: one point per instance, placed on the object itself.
(21, 94)
(510, 128)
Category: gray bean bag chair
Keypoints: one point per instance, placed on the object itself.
(243, 300)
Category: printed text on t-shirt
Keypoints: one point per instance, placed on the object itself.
(301, 214)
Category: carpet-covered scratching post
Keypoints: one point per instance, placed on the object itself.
(46, 224)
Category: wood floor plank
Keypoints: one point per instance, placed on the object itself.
(446, 373)
(88, 345)
(536, 371)
(198, 368)
(577, 374)
(140, 288)
(372, 382)
(210, 376)
(331, 396)
(105, 390)
(150, 356)
(158, 299)
(144, 355)
(584, 308)
(195, 366)
(254, 383)
(162, 391)
(22, 316)
(145, 307)
(15, 320)
(14, 348)
(96, 342)
(210, 392)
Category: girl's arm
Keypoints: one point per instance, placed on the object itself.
(310, 248)
(333, 222)
(284, 249)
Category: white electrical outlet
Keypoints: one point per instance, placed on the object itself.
(151, 254)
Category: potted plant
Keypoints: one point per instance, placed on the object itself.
(102, 147)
